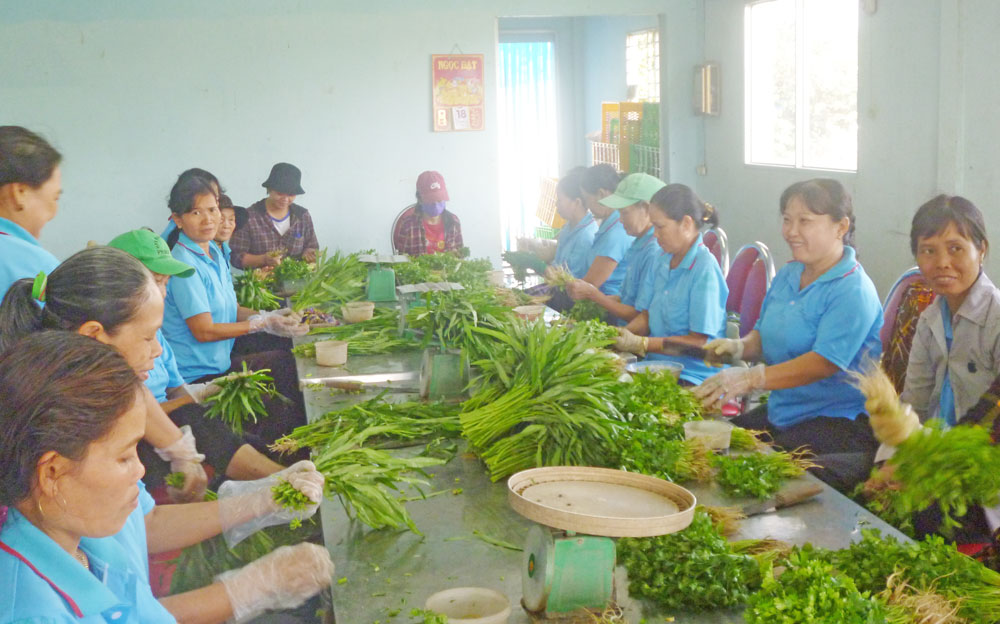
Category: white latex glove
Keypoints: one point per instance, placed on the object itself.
(278, 322)
(579, 289)
(893, 427)
(631, 343)
(184, 457)
(726, 346)
(201, 391)
(282, 579)
(728, 384)
(246, 507)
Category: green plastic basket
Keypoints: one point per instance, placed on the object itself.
(546, 232)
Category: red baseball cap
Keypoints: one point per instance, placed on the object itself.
(431, 188)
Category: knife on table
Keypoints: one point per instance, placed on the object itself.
(791, 494)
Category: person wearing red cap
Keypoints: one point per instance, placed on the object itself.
(427, 227)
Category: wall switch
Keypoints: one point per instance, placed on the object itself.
(702, 170)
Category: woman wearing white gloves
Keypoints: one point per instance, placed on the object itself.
(819, 322)
(955, 356)
(202, 318)
(78, 525)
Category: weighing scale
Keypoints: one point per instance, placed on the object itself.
(381, 280)
(443, 374)
(569, 556)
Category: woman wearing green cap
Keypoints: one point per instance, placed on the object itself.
(642, 254)
(223, 449)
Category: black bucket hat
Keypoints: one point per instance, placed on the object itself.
(285, 178)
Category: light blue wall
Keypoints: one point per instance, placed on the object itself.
(133, 93)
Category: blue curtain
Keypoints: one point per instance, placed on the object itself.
(528, 148)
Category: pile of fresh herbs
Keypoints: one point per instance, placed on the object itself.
(336, 280)
(759, 474)
(253, 290)
(241, 397)
(290, 269)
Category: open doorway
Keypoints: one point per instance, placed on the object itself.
(528, 131)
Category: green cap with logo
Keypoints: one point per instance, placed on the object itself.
(633, 188)
(153, 252)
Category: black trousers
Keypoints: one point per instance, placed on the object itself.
(845, 449)
(214, 439)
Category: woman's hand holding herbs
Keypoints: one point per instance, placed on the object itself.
(245, 507)
(579, 289)
(185, 458)
(729, 384)
(631, 343)
(282, 322)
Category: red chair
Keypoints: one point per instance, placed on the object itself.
(739, 271)
(907, 298)
(716, 241)
(757, 283)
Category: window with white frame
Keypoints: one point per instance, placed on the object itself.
(802, 83)
(642, 65)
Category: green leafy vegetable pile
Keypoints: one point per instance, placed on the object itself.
(445, 267)
(759, 474)
(451, 317)
(337, 279)
(692, 569)
(290, 269)
(241, 398)
(253, 290)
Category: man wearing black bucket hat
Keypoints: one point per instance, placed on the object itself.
(276, 224)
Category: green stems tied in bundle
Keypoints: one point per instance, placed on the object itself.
(241, 397)
(253, 291)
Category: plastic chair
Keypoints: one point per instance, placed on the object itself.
(739, 270)
(907, 298)
(716, 241)
(758, 281)
(395, 225)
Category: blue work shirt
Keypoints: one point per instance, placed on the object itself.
(210, 290)
(165, 373)
(573, 248)
(685, 299)
(44, 583)
(20, 255)
(839, 317)
(226, 250)
(642, 254)
(612, 241)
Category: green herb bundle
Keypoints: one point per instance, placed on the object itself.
(656, 393)
(337, 279)
(241, 397)
(450, 317)
(445, 267)
(546, 397)
(691, 569)
(290, 269)
(929, 565)
(585, 310)
(407, 421)
(364, 478)
(649, 447)
(254, 291)
(759, 474)
(955, 468)
(290, 498)
(809, 591)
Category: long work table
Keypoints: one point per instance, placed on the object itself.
(382, 575)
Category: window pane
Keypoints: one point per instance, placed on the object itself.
(770, 43)
(830, 135)
(642, 65)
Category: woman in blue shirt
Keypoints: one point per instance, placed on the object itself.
(30, 186)
(202, 318)
(577, 236)
(641, 255)
(607, 258)
(76, 524)
(684, 299)
(819, 323)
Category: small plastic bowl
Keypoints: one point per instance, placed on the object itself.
(654, 366)
(470, 605)
(331, 353)
(530, 312)
(357, 311)
(714, 434)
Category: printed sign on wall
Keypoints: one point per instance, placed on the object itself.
(458, 91)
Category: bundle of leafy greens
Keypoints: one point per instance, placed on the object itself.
(336, 280)
(290, 269)
(450, 318)
(692, 569)
(473, 274)
(545, 397)
(253, 290)
(241, 397)
(759, 474)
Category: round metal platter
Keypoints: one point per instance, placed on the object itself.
(600, 501)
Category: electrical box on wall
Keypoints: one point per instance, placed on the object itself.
(706, 89)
